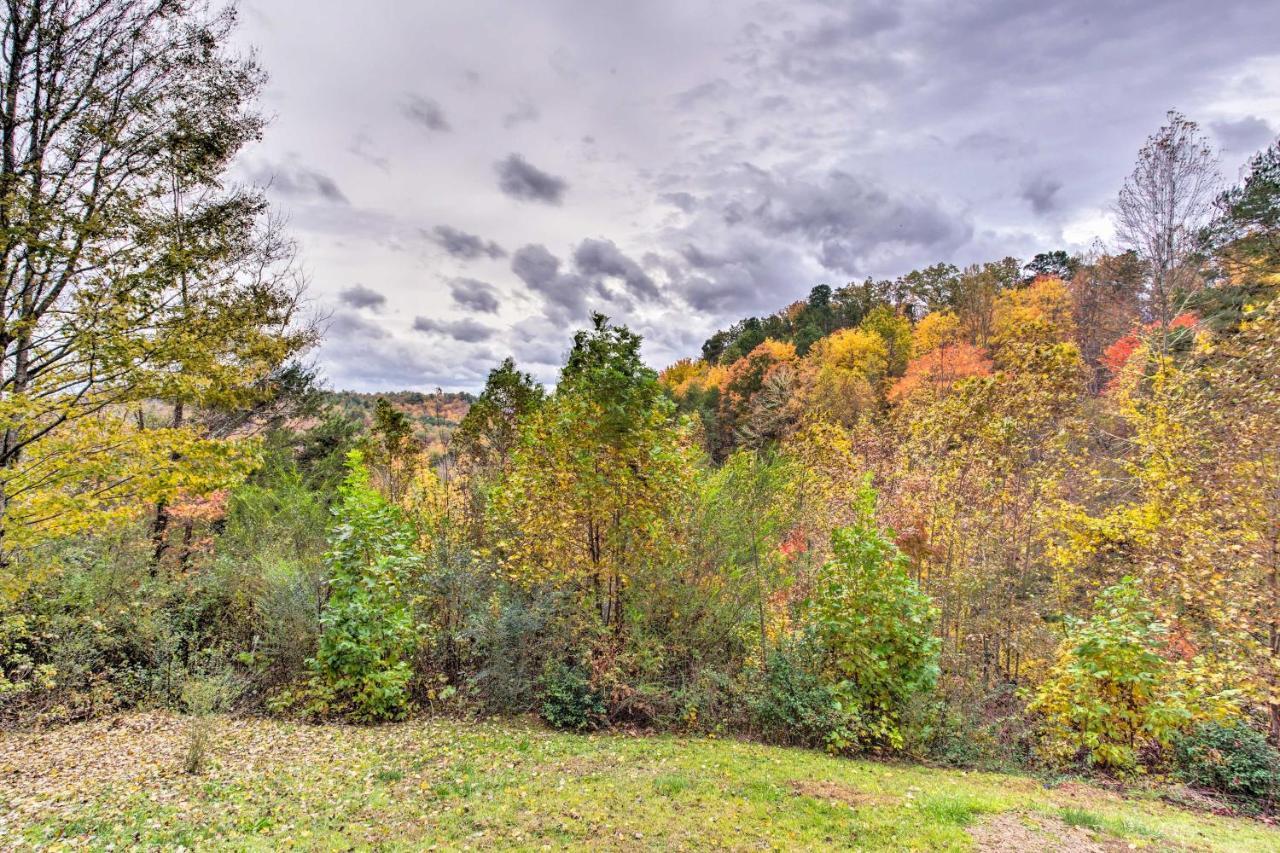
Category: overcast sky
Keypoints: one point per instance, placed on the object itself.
(470, 179)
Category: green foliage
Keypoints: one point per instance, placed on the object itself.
(1110, 694)
(361, 667)
(1234, 760)
(789, 702)
(875, 628)
(568, 699)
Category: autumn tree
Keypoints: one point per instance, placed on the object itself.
(118, 120)
(596, 479)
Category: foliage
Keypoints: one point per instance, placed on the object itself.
(1232, 759)
(875, 629)
(361, 667)
(792, 703)
(568, 700)
(1111, 693)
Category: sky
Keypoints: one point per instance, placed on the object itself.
(471, 180)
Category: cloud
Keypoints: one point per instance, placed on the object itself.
(425, 112)
(1041, 192)
(684, 201)
(602, 259)
(1244, 135)
(524, 182)
(466, 330)
(474, 295)
(293, 180)
(522, 112)
(460, 244)
(351, 326)
(564, 294)
(359, 296)
(845, 220)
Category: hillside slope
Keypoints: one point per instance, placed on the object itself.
(515, 785)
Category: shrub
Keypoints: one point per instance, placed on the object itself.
(1111, 693)
(875, 629)
(361, 667)
(568, 700)
(1234, 760)
(791, 704)
(211, 691)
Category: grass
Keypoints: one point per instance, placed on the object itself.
(514, 785)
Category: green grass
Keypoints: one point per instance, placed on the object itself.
(514, 785)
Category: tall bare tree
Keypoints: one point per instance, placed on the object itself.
(1163, 207)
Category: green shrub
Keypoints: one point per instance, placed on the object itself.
(361, 667)
(1233, 760)
(791, 704)
(568, 700)
(875, 629)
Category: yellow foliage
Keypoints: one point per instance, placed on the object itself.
(934, 331)
(1038, 313)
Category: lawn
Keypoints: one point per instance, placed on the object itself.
(448, 785)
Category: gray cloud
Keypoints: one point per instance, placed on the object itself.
(564, 294)
(1245, 135)
(522, 181)
(522, 112)
(359, 296)
(1041, 192)
(601, 258)
(466, 330)
(352, 326)
(474, 295)
(426, 113)
(460, 244)
(299, 182)
(844, 219)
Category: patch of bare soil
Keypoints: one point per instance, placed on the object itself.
(1011, 832)
(834, 792)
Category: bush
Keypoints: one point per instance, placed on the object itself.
(1233, 760)
(875, 629)
(1111, 693)
(361, 667)
(790, 704)
(568, 700)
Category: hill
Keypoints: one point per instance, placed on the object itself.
(516, 785)
(435, 416)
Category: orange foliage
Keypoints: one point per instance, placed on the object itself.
(940, 369)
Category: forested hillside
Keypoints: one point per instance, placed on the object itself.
(1021, 514)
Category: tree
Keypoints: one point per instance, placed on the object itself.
(491, 426)
(875, 628)
(1163, 207)
(1105, 305)
(1055, 264)
(930, 289)
(113, 114)
(1245, 233)
(1110, 692)
(361, 667)
(392, 448)
(595, 485)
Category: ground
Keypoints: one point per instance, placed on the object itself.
(120, 783)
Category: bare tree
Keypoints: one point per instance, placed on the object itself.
(1163, 207)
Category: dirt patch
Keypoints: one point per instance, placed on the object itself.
(835, 792)
(1011, 832)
